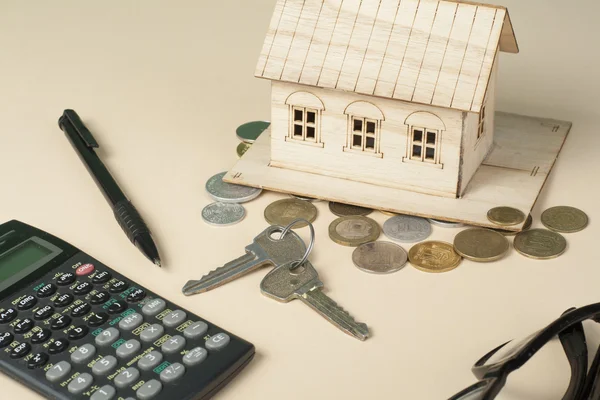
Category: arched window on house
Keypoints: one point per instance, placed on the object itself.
(305, 111)
(364, 128)
(425, 131)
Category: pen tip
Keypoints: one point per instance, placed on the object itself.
(157, 262)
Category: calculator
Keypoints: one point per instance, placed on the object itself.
(73, 328)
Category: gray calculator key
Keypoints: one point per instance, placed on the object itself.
(58, 371)
(150, 360)
(217, 342)
(195, 356)
(173, 345)
(149, 390)
(79, 384)
(151, 333)
(174, 318)
(131, 322)
(106, 392)
(128, 349)
(104, 365)
(83, 354)
(107, 337)
(127, 377)
(153, 307)
(172, 373)
(195, 330)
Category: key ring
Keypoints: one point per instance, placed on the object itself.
(311, 244)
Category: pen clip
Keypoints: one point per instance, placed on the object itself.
(83, 132)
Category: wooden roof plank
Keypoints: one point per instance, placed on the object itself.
(273, 26)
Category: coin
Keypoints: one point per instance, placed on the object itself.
(305, 198)
(379, 257)
(564, 219)
(407, 229)
(540, 244)
(481, 245)
(242, 148)
(228, 192)
(506, 216)
(345, 210)
(223, 214)
(354, 230)
(250, 131)
(434, 256)
(445, 224)
(526, 226)
(391, 214)
(282, 212)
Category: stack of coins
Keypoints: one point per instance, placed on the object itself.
(227, 210)
(248, 133)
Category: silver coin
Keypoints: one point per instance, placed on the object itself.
(305, 198)
(407, 229)
(223, 214)
(445, 224)
(228, 192)
(380, 257)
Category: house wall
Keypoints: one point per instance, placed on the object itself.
(475, 150)
(390, 168)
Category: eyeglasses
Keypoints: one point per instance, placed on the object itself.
(493, 369)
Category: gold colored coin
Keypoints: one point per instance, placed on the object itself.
(540, 244)
(434, 257)
(354, 230)
(282, 212)
(506, 216)
(345, 210)
(480, 245)
(526, 226)
(242, 148)
(564, 219)
(391, 214)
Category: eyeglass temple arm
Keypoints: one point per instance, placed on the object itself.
(591, 389)
(575, 347)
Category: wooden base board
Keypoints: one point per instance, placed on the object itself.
(513, 174)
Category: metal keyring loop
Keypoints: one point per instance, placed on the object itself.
(311, 244)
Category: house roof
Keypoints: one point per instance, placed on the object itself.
(434, 52)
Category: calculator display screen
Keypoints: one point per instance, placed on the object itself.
(20, 257)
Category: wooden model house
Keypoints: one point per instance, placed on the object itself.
(394, 93)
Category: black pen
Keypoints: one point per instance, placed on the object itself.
(127, 216)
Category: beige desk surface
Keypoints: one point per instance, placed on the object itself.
(163, 88)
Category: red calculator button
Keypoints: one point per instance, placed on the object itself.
(85, 269)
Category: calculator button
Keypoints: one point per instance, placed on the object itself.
(43, 313)
(174, 318)
(153, 307)
(151, 333)
(63, 300)
(83, 354)
(81, 310)
(126, 377)
(41, 336)
(24, 326)
(173, 345)
(27, 303)
(79, 384)
(116, 307)
(131, 322)
(78, 332)
(172, 373)
(100, 298)
(195, 330)
(128, 349)
(136, 296)
(58, 346)
(46, 291)
(107, 337)
(150, 360)
(65, 279)
(83, 288)
(38, 360)
(98, 319)
(101, 277)
(195, 356)
(149, 390)
(85, 269)
(6, 338)
(118, 287)
(104, 365)
(106, 392)
(60, 322)
(217, 342)
(58, 371)
(21, 350)
(8, 315)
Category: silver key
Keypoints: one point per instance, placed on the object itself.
(264, 250)
(284, 284)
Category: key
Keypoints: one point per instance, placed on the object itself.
(284, 284)
(264, 250)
